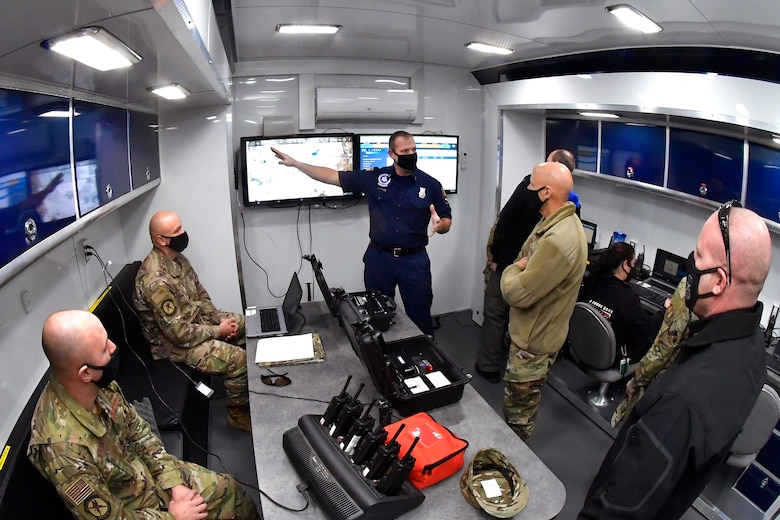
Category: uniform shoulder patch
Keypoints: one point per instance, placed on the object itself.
(163, 299)
(78, 491)
(168, 307)
(98, 507)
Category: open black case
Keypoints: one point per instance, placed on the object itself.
(412, 373)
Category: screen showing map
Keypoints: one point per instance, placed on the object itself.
(268, 182)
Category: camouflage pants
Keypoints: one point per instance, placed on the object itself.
(525, 376)
(224, 496)
(226, 360)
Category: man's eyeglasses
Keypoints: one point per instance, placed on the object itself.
(274, 379)
(723, 221)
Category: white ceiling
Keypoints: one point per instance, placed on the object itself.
(415, 31)
(435, 31)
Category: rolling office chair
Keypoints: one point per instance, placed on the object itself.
(592, 345)
(757, 429)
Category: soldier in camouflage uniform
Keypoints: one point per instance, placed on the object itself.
(180, 321)
(99, 454)
(541, 288)
(662, 352)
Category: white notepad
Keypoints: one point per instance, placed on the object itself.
(284, 348)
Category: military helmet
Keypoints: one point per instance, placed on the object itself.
(492, 483)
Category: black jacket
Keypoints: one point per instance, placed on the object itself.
(682, 429)
(633, 326)
(515, 223)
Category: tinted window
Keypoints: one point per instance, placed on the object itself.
(705, 165)
(633, 151)
(763, 187)
(580, 137)
(102, 157)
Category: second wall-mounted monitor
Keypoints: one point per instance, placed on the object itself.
(265, 181)
(437, 155)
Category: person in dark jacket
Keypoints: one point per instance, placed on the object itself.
(681, 431)
(607, 289)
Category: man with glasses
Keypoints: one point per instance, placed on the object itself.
(182, 324)
(99, 454)
(682, 429)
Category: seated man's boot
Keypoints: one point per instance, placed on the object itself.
(238, 417)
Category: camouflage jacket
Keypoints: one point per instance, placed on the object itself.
(108, 465)
(174, 308)
(661, 354)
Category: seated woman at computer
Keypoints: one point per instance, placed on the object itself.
(608, 290)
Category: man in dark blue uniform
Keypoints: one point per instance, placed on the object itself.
(401, 201)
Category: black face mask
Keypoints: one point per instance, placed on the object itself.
(630, 273)
(533, 200)
(694, 276)
(407, 161)
(179, 242)
(110, 370)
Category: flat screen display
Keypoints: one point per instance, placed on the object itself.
(705, 165)
(437, 155)
(633, 151)
(763, 181)
(265, 181)
(580, 137)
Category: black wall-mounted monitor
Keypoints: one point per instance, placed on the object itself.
(437, 155)
(266, 182)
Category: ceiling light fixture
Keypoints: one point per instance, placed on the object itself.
(606, 115)
(289, 28)
(634, 19)
(173, 91)
(58, 113)
(776, 139)
(491, 49)
(94, 47)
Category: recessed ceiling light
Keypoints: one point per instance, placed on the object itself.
(393, 81)
(289, 28)
(94, 47)
(491, 49)
(173, 91)
(776, 139)
(58, 113)
(606, 115)
(634, 19)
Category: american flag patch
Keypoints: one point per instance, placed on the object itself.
(79, 491)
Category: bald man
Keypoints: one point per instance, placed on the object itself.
(506, 237)
(541, 288)
(682, 429)
(101, 457)
(180, 321)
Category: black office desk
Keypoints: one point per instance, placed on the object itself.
(471, 418)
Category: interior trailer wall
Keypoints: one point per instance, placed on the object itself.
(276, 238)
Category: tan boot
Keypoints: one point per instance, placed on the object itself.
(238, 417)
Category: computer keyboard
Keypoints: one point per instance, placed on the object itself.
(269, 320)
(773, 362)
(649, 295)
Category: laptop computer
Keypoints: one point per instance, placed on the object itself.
(668, 270)
(590, 233)
(279, 320)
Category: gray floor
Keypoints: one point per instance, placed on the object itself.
(571, 437)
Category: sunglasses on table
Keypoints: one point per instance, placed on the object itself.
(274, 379)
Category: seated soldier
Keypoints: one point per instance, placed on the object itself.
(607, 289)
(180, 322)
(99, 454)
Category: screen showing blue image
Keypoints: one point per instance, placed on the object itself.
(633, 151)
(763, 186)
(705, 165)
(437, 155)
(36, 183)
(580, 137)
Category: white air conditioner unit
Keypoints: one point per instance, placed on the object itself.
(366, 104)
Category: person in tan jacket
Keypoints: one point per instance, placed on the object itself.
(541, 288)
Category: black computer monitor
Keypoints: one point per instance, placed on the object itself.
(590, 233)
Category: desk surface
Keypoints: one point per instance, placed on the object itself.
(276, 410)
